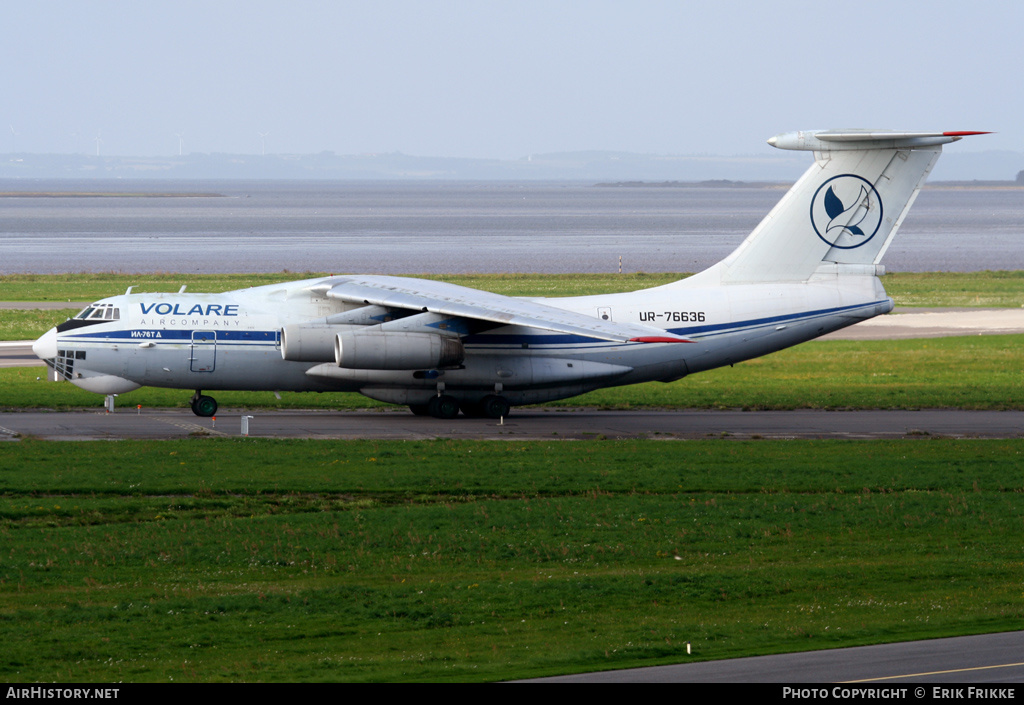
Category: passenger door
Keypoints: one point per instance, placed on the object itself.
(204, 351)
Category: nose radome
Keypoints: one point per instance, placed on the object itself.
(46, 347)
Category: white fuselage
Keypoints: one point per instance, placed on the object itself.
(233, 340)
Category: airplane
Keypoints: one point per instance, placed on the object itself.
(809, 268)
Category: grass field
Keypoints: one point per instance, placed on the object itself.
(258, 560)
(989, 289)
(88, 287)
(934, 289)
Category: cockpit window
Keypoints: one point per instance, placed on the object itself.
(90, 316)
(99, 312)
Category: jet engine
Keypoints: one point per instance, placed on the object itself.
(305, 343)
(397, 351)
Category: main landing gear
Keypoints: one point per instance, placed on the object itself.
(444, 406)
(203, 405)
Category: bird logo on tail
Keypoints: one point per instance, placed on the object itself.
(846, 211)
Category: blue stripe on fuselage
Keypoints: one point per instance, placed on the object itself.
(158, 334)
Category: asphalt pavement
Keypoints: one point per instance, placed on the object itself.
(982, 660)
(523, 424)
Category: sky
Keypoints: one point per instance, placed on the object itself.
(498, 79)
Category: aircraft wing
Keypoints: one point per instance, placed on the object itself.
(463, 302)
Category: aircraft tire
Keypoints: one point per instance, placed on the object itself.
(420, 409)
(495, 407)
(204, 406)
(443, 407)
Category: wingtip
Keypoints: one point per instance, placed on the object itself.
(659, 339)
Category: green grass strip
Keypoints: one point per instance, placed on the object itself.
(933, 289)
(262, 560)
(999, 289)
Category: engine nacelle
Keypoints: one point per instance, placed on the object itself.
(306, 343)
(397, 351)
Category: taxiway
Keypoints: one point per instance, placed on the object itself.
(525, 424)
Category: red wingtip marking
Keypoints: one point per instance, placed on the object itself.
(656, 339)
(964, 133)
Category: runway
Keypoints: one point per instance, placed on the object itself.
(524, 424)
(986, 658)
(906, 322)
(18, 353)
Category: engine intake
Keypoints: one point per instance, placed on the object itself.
(305, 343)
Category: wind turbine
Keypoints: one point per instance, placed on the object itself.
(98, 141)
(263, 141)
(181, 137)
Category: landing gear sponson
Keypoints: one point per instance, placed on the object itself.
(203, 405)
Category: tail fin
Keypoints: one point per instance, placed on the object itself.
(844, 210)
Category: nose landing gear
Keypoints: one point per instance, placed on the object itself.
(203, 405)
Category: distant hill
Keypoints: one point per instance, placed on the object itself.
(598, 166)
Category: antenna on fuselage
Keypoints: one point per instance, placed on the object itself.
(182, 289)
(129, 290)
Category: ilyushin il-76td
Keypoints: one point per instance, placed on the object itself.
(809, 268)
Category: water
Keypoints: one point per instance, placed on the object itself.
(406, 228)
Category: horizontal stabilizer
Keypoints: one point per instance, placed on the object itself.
(845, 140)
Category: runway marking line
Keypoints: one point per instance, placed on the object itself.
(195, 428)
(937, 673)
